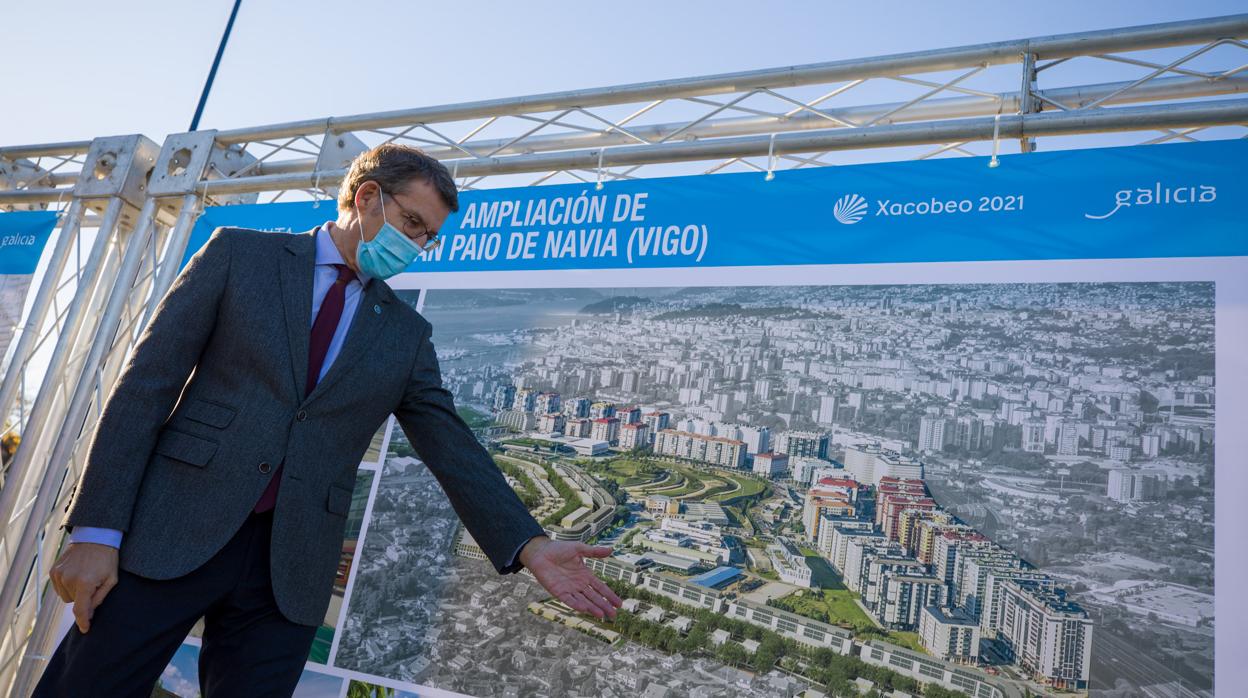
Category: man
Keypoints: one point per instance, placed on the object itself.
(226, 497)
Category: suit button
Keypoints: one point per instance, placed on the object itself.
(302, 415)
(264, 467)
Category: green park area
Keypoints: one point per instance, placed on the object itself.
(905, 639)
(746, 487)
(694, 483)
(837, 605)
(834, 606)
(541, 444)
(474, 419)
(626, 472)
(643, 476)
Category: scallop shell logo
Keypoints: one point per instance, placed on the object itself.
(850, 209)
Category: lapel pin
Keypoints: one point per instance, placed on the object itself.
(377, 309)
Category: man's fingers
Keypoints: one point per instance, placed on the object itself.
(606, 592)
(98, 597)
(600, 602)
(572, 602)
(582, 604)
(601, 607)
(59, 585)
(82, 606)
(594, 550)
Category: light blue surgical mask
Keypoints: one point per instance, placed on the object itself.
(389, 252)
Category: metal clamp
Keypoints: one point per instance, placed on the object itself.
(601, 151)
(771, 159)
(996, 139)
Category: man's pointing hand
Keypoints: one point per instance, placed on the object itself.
(559, 567)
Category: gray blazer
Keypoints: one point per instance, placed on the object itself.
(179, 465)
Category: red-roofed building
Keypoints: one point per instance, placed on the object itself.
(888, 508)
(605, 429)
(832, 496)
(634, 435)
(900, 485)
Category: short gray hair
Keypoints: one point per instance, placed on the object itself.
(391, 166)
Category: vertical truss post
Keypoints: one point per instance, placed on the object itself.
(174, 249)
(1027, 102)
(123, 301)
(113, 178)
(71, 428)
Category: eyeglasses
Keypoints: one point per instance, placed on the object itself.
(414, 226)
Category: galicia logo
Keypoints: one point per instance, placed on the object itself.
(850, 209)
(1159, 195)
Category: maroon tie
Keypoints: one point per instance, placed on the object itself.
(322, 333)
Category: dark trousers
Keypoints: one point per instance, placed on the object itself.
(249, 648)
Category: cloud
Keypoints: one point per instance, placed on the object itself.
(171, 679)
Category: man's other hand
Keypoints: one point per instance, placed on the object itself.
(559, 567)
(83, 575)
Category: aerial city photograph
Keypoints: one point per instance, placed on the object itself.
(938, 490)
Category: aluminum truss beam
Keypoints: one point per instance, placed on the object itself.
(948, 108)
(561, 133)
(1013, 126)
(1048, 47)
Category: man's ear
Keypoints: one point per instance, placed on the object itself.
(365, 195)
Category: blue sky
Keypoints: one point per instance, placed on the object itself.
(182, 677)
(77, 69)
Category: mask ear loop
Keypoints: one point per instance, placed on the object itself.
(381, 199)
(359, 217)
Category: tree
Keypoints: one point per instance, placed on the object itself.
(1088, 472)
(9, 444)
(731, 653)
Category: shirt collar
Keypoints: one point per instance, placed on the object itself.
(327, 252)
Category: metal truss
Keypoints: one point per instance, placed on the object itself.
(116, 276)
(743, 121)
(1172, 82)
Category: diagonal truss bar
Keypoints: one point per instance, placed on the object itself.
(1160, 70)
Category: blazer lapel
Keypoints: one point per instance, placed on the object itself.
(370, 316)
(296, 268)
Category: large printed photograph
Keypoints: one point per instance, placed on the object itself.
(979, 489)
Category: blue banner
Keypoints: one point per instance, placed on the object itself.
(23, 235)
(1176, 200)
